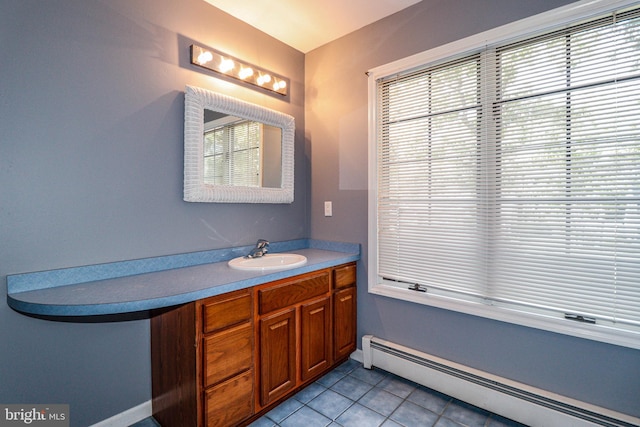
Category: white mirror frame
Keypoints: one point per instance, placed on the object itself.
(196, 100)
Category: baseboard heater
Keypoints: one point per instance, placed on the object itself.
(517, 401)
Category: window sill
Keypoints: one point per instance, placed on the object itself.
(600, 333)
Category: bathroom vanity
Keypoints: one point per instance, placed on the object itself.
(226, 345)
(224, 360)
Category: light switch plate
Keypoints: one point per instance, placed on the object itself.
(328, 208)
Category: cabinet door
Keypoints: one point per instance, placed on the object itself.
(277, 355)
(315, 326)
(344, 323)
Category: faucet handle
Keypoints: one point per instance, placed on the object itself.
(261, 248)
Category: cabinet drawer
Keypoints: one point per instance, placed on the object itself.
(344, 276)
(228, 353)
(229, 402)
(293, 292)
(227, 310)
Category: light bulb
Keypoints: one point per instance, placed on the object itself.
(245, 72)
(226, 65)
(263, 79)
(204, 57)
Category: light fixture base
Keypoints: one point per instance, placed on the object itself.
(227, 65)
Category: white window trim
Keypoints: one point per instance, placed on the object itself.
(528, 27)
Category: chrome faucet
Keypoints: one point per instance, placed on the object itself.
(262, 247)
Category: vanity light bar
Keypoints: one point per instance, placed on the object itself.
(232, 67)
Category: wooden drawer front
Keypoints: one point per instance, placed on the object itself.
(222, 312)
(227, 353)
(290, 293)
(230, 402)
(344, 276)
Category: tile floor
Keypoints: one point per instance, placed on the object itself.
(351, 396)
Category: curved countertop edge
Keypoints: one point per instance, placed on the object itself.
(35, 302)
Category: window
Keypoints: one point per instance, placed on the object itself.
(507, 180)
(232, 154)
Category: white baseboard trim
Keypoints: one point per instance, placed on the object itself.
(128, 417)
(357, 356)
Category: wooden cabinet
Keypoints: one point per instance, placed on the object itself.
(294, 332)
(277, 355)
(227, 357)
(344, 311)
(225, 360)
(202, 361)
(174, 361)
(315, 338)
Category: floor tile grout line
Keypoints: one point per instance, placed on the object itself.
(374, 384)
(441, 414)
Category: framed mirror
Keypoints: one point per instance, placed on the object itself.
(235, 151)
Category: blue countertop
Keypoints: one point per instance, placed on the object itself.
(152, 283)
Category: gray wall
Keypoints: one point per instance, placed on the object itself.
(91, 125)
(91, 105)
(336, 130)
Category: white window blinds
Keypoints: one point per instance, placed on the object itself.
(428, 204)
(511, 177)
(232, 154)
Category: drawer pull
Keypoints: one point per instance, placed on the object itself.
(279, 324)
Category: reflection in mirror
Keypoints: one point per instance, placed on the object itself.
(241, 152)
(236, 152)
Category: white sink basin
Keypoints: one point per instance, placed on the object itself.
(268, 262)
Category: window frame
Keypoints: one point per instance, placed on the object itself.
(528, 27)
